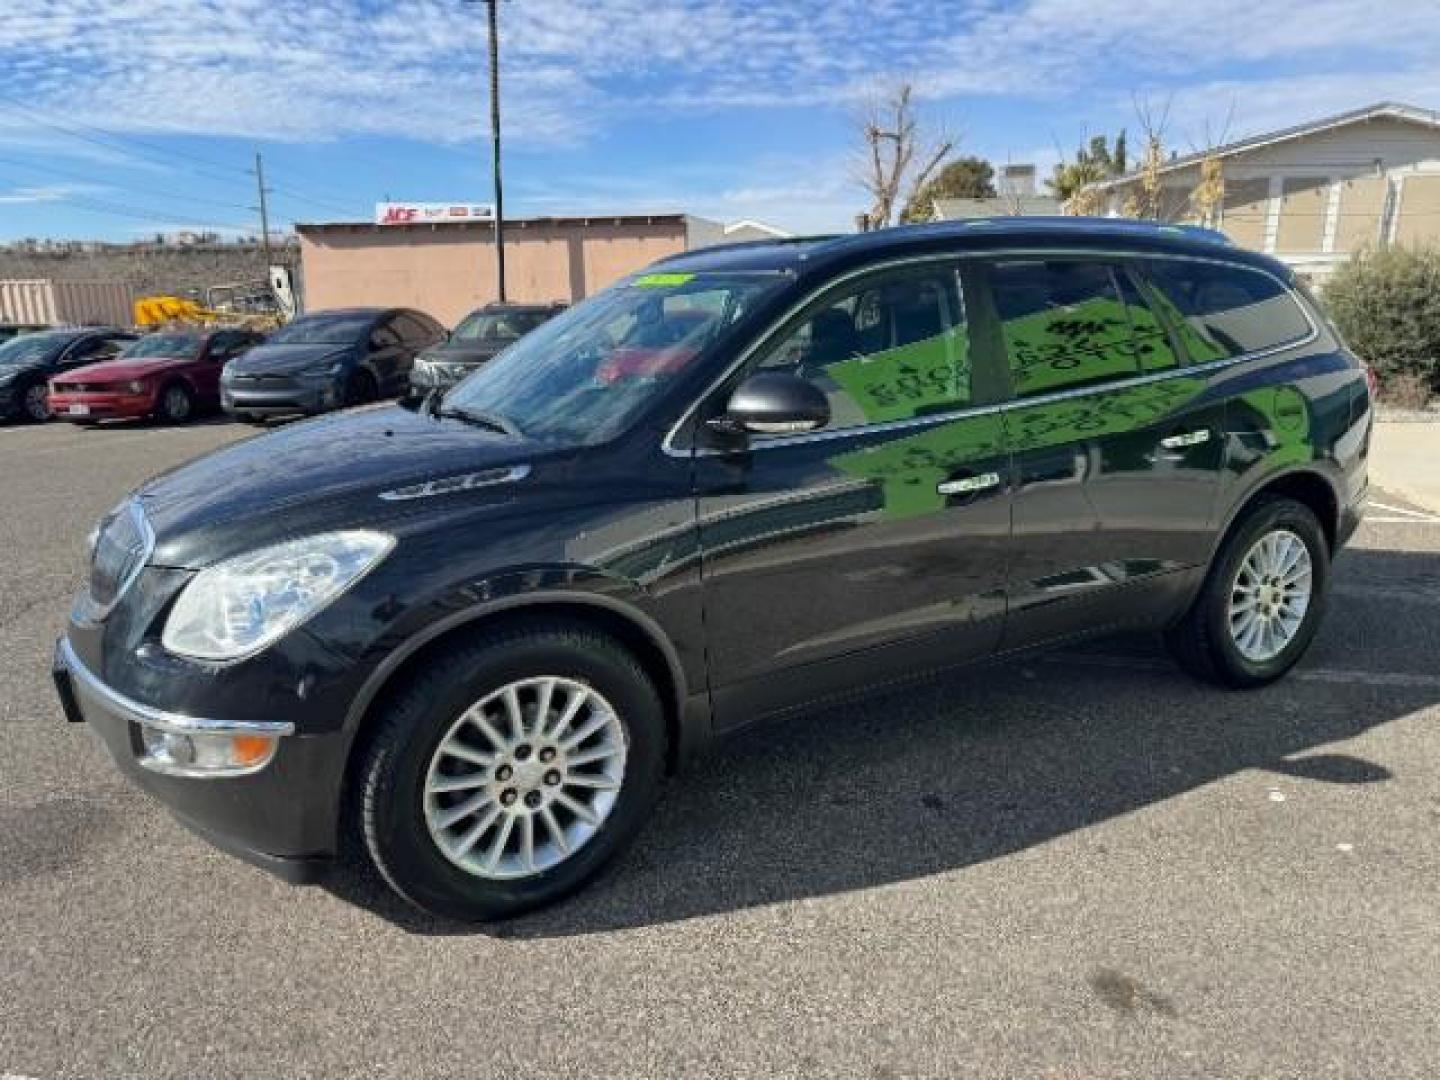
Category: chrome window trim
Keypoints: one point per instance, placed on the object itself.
(161, 719)
(667, 445)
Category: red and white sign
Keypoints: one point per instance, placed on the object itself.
(428, 213)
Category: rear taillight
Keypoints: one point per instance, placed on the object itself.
(1371, 380)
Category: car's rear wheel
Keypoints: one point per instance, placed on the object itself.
(511, 769)
(360, 389)
(1262, 600)
(36, 402)
(177, 404)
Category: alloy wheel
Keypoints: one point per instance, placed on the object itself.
(37, 402)
(1270, 595)
(177, 403)
(525, 777)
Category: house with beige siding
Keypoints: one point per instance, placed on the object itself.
(1313, 194)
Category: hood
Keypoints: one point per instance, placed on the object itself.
(114, 371)
(9, 372)
(317, 476)
(466, 352)
(287, 359)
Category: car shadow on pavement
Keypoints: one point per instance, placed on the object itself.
(982, 764)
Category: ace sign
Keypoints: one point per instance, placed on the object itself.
(418, 213)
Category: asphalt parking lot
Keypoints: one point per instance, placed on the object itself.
(1083, 865)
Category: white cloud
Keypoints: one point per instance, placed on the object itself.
(329, 68)
(42, 194)
(577, 70)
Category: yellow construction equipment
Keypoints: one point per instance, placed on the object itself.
(247, 305)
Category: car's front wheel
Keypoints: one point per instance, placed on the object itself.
(36, 402)
(177, 404)
(1262, 600)
(511, 769)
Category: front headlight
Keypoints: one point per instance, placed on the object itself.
(238, 607)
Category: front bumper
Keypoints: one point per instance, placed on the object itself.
(281, 818)
(101, 406)
(281, 401)
(427, 377)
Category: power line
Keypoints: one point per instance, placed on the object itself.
(128, 143)
(117, 209)
(71, 174)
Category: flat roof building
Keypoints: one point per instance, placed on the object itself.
(448, 268)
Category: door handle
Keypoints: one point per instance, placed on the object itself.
(968, 485)
(1186, 438)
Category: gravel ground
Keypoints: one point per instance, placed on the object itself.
(1083, 865)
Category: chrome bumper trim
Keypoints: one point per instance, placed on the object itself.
(137, 713)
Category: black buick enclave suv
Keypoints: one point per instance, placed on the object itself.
(477, 632)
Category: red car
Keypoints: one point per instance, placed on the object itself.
(170, 375)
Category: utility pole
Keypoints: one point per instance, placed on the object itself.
(493, 14)
(264, 215)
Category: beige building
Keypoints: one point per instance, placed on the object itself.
(448, 268)
(1313, 194)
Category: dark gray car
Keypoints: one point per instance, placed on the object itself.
(480, 336)
(328, 360)
(28, 361)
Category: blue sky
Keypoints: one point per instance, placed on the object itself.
(122, 118)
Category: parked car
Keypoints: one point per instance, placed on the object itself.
(328, 360)
(477, 633)
(27, 363)
(478, 338)
(170, 375)
(14, 330)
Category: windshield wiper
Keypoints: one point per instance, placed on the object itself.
(480, 417)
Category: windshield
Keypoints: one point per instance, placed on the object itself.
(496, 326)
(28, 348)
(163, 345)
(323, 330)
(583, 375)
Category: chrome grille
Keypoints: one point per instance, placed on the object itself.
(122, 548)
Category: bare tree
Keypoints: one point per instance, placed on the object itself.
(895, 155)
(1208, 197)
(1147, 199)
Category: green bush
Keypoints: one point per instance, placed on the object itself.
(1387, 305)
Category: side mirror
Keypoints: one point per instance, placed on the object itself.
(773, 403)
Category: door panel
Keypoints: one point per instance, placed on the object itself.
(1117, 459)
(837, 548)
(877, 547)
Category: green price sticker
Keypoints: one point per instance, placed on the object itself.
(662, 281)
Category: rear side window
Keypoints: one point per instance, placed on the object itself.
(1223, 311)
(1064, 324)
(413, 331)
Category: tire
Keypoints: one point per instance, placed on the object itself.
(1214, 642)
(35, 403)
(360, 389)
(177, 404)
(401, 814)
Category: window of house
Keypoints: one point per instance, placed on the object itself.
(1064, 324)
(892, 346)
(1223, 311)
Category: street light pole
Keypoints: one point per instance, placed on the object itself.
(493, 12)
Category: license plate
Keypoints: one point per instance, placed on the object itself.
(79, 410)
